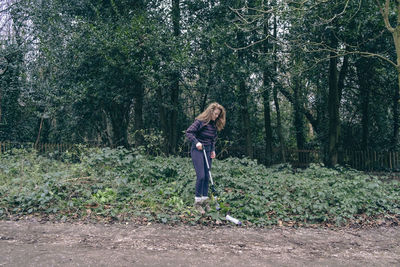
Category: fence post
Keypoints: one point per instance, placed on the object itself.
(357, 159)
(370, 156)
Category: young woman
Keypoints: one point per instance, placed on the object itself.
(203, 134)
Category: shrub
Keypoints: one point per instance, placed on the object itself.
(127, 185)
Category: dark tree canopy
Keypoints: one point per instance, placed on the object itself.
(307, 74)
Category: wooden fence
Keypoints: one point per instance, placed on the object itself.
(303, 157)
(369, 160)
(372, 160)
(41, 148)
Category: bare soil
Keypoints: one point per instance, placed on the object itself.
(34, 243)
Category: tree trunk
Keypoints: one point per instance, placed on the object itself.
(336, 86)
(39, 132)
(342, 76)
(245, 119)
(396, 123)
(119, 116)
(104, 128)
(396, 38)
(279, 124)
(333, 112)
(163, 118)
(173, 114)
(209, 84)
(363, 80)
(243, 100)
(138, 115)
(1, 106)
(276, 100)
(385, 11)
(267, 120)
(266, 99)
(298, 115)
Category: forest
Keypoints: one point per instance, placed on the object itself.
(309, 74)
(107, 88)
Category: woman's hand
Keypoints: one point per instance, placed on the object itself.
(212, 154)
(199, 146)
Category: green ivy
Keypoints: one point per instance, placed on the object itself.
(118, 184)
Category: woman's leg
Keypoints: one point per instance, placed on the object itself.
(202, 180)
(204, 190)
(199, 163)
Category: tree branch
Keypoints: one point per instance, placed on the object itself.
(385, 15)
(6, 7)
(306, 112)
(327, 21)
(250, 45)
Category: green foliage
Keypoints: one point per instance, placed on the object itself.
(152, 142)
(106, 196)
(92, 69)
(117, 184)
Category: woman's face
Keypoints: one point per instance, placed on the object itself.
(215, 114)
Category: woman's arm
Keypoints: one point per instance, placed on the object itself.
(192, 130)
(213, 154)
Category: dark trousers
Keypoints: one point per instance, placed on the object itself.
(201, 169)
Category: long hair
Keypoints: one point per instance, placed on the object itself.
(205, 116)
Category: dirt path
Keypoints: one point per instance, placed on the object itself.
(31, 243)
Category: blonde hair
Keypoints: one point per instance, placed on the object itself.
(205, 116)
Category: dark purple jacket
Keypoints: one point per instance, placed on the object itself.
(205, 134)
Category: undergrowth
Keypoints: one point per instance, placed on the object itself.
(120, 185)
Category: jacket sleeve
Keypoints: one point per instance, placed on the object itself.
(192, 130)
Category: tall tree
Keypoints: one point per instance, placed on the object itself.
(243, 90)
(333, 106)
(298, 121)
(267, 74)
(175, 79)
(275, 92)
(386, 10)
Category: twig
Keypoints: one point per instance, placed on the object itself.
(77, 179)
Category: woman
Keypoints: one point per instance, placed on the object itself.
(203, 134)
